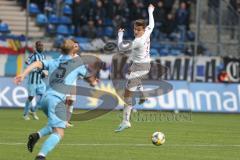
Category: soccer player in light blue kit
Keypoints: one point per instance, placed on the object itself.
(36, 86)
(52, 98)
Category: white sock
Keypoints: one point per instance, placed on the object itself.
(127, 113)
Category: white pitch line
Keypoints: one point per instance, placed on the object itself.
(134, 145)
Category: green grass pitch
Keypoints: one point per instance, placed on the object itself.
(203, 137)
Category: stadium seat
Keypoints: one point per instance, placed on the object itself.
(53, 19)
(69, 2)
(41, 20)
(154, 52)
(175, 52)
(33, 9)
(108, 22)
(67, 10)
(62, 30)
(82, 40)
(58, 41)
(71, 30)
(164, 52)
(4, 28)
(108, 31)
(50, 29)
(65, 20)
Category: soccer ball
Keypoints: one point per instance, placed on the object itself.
(158, 138)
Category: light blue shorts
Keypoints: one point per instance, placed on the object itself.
(55, 109)
(36, 89)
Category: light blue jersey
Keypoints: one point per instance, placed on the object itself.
(36, 86)
(65, 70)
(61, 71)
(35, 76)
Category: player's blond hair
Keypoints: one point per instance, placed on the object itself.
(67, 46)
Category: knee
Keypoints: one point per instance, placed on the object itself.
(59, 131)
(69, 102)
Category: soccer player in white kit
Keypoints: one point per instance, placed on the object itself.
(140, 64)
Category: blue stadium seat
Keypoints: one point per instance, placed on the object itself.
(4, 28)
(108, 22)
(82, 40)
(108, 31)
(58, 41)
(62, 30)
(50, 29)
(69, 2)
(67, 10)
(41, 20)
(53, 19)
(164, 51)
(33, 9)
(71, 30)
(154, 52)
(65, 20)
(175, 52)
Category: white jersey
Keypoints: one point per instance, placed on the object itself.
(140, 51)
(141, 48)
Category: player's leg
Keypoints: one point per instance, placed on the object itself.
(126, 111)
(134, 81)
(27, 107)
(143, 98)
(57, 120)
(34, 137)
(146, 69)
(33, 109)
(50, 143)
(40, 90)
(69, 105)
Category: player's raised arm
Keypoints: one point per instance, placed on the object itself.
(18, 79)
(151, 24)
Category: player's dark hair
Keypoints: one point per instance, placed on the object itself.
(140, 22)
(38, 42)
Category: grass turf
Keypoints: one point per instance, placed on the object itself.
(200, 137)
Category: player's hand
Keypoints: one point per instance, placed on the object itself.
(120, 32)
(95, 82)
(151, 8)
(18, 79)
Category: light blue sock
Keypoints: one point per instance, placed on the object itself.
(45, 131)
(26, 108)
(50, 144)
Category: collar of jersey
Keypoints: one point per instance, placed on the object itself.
(65, 57)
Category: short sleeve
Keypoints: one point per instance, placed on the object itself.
(30, 59)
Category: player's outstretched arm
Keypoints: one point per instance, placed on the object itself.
(18, 79)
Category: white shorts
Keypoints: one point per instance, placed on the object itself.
(137, 72)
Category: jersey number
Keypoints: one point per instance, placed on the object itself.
(62, 70)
